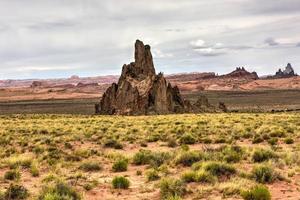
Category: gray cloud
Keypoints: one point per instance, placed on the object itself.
(272, 7)
(271, 42)
(216, 49)
(92, 37)
(46, 26)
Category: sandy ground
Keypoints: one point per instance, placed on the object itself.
(140, 189)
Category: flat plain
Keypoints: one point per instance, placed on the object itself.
(240, 101)
(203, 156)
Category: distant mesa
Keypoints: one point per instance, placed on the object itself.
(140, 91)
(286, 73)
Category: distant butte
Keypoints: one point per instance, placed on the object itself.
(286, 73)
(242, 72)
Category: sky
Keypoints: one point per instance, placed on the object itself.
(60, 38)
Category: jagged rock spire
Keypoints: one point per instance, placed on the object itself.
(143, 66)
(285, 73)
(143, 58)
(140, 91)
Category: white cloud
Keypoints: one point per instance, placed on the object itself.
(198, 43)
(42, 68)
(159, 54)
(210, 51)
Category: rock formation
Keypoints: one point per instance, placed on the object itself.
(242, 72)
(286, 73)
(140, 91)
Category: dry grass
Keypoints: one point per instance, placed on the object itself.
(82, 155)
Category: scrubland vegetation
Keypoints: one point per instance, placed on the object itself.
(173, 157)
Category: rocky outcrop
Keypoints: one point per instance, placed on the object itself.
(140, 91)
(286, 73)
(223, 107)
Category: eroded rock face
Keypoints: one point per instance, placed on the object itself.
(140, 91)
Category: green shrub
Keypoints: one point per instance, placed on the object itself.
(187, 138)
(189, 176)
(143, 157)
(112, 143)
(277, 133)
(155, 159)
(159, 158)
(197, 166)
(89, 166)
(257, 139)
(34, 170)
(170, 188)
(261, 155)
(289, 140)
(259, 192)
(220, 140)
(204, 177)
(120, 182)
(232, 154)
(24, 162)
(207, 140)
(218, 168)
(273, 141)
(16, 192)
(12, 175)
(72, 158)
(265, 136)
(84, 153)
(90, 185)
(143, 144)
(153, 138)
(247, 135)
(59, 191)
(187, 158)
(120, 165)
(263, 174)
(200, 176)
(172, 142)
(152, 175)
(184, 147)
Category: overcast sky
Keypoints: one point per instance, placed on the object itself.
(60, 38)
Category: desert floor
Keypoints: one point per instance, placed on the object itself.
(204, 156)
